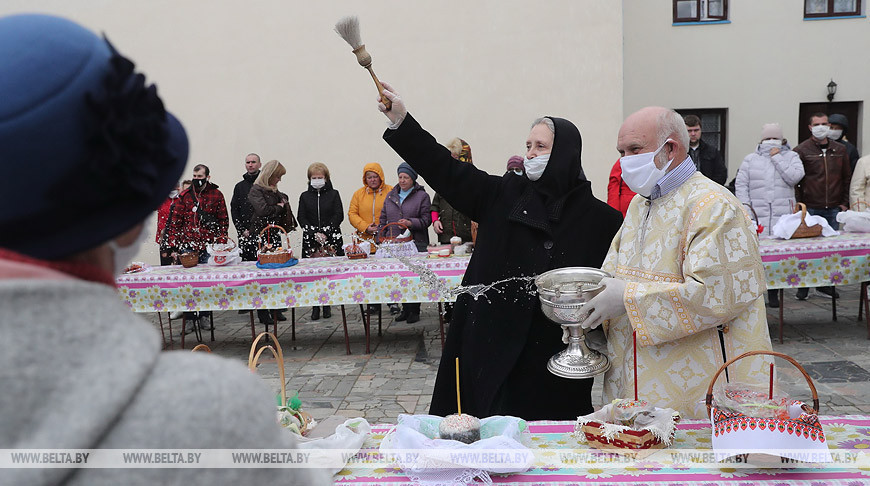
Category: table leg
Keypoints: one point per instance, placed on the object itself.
(292, 323)
(344, 323)
(380, 316)
(171, 339)
(253, 331)
(781, 305)
(866, 306)
(441, 322)
(163, 333)
(834, 303)
(274, 322)
(183, 328)
(211, 321)
(367, 320)
(861, 299)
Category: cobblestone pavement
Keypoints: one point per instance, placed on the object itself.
(398, 376)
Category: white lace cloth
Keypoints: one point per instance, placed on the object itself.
(430, 461)
(788, 223)
(661, 423)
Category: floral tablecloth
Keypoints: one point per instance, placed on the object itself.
(814, 262)
(807, 262)
(314, 281)
(555, 445)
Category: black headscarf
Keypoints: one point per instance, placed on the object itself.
(564, 171)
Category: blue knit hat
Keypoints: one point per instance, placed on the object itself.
(407, 169)
(87, 150)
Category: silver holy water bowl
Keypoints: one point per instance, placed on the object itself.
(564, 293)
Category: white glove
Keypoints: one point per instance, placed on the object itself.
(606, 305)
(397, 112)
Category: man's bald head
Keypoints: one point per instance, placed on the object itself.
(648, 128)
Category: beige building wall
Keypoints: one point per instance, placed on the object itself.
(272, 77)
(760, 67)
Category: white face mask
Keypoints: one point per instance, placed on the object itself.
(535, 167)
(123, 255)
(820, 131)
(640, 172)
(318, 183)
(835, 134)
(767, 145)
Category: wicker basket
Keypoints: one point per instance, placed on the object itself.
(281, 255)
(786, 357)
(733, 431)
(189, 259)
(858, 204)
(394, 239)
(804, 231)
(278, 354)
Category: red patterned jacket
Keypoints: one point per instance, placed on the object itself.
(191, 229)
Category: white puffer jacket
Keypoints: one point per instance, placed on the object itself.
(767, 183)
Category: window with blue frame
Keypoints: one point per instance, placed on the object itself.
(831, 8)
(686, 11)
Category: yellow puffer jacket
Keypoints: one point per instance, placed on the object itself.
(365, 205)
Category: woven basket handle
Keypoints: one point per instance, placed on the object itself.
(859, 202)
(254, 358)
(201, 347)
(754, 214)
(378, 234)
(786, 357)
(267, 228)
(803, 209)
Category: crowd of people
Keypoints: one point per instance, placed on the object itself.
(824, 172)
(686, 292)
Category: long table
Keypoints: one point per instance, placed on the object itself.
(311, 282)
(556, 444)
(809, 262)
(816, 262)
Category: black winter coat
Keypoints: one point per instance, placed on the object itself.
(525, 228)
(240, 208)
(320, 211)
(709, 161)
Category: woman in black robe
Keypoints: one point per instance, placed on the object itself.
(526, 228)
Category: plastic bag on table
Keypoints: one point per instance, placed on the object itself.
(753, 402)
(854, 221)
(224, 253)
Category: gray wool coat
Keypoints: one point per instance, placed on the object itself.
(81, 371)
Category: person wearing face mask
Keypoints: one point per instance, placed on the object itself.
(163, 215)
(515, 166)
(685, 264)
(320, 215)
(825, 186)
(839, 133)
(528, 225)
(76, 107)
(199, 217)
(766, 180)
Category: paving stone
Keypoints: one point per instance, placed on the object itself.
(399, 375)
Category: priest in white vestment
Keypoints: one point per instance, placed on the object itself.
(688, 276)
